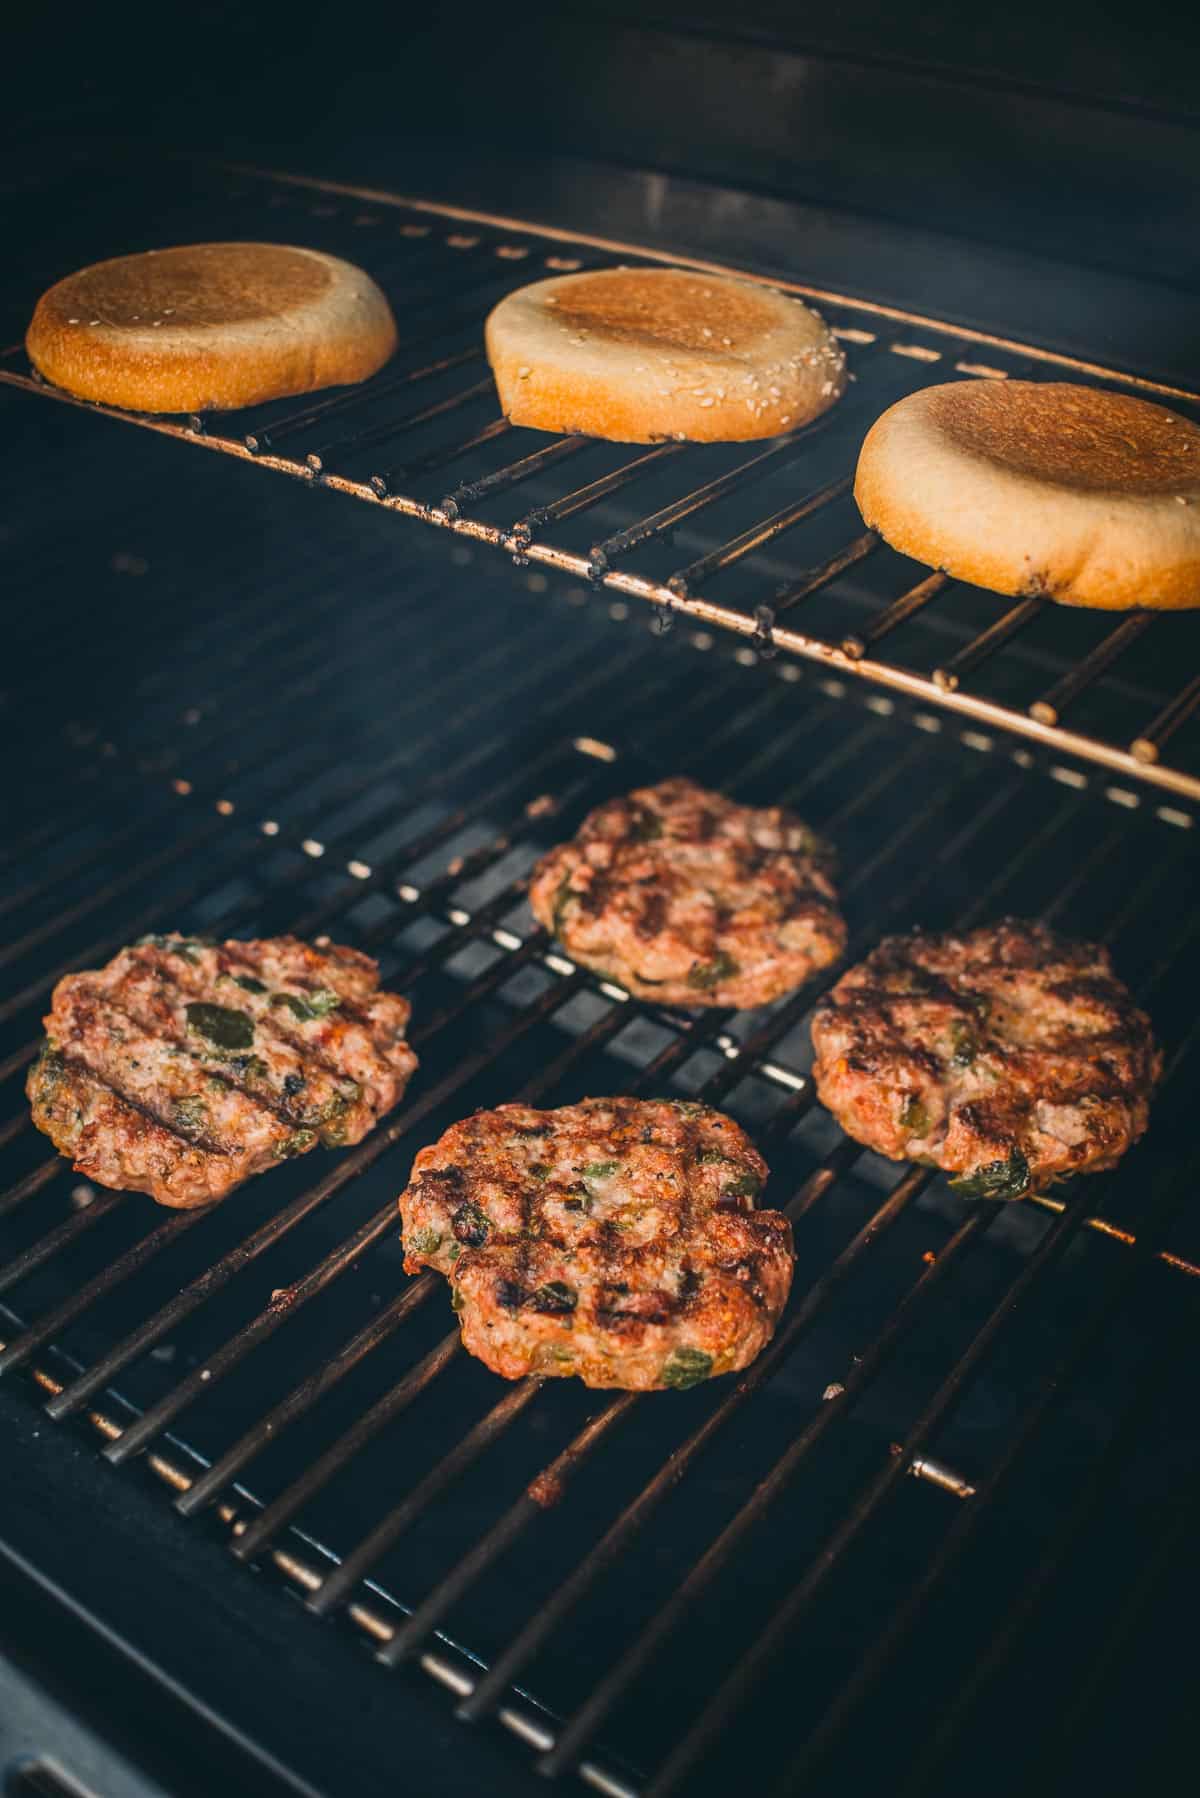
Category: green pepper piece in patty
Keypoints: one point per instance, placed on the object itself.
(598, 1170)
(704, 975)
(997, 1180)
(227, 1029)
(746, 1186)
(913, 1116)
(686, 1367)
(313, 1005)
(425, 1241)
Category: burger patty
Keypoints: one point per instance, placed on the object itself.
(185, 1066)
(1010, 1057)
(615, 1239)
(682, 896)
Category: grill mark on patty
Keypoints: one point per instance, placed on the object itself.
(270, 1019)
(105, 1005)
(86, 1073)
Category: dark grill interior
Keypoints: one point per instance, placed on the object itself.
(853, 1558)
(762, 539)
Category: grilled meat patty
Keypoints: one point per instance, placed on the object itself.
(682, 896)
(185, 1066)
(1010, 1057)
(615, 1239)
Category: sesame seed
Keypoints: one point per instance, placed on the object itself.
(524, 373)
(708, 402)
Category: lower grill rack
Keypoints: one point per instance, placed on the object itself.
(841, 1556)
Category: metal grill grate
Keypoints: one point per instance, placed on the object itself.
(616, 1579)
(775, 551)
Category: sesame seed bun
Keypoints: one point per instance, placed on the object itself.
(1086, 497)
(642, 355)
(207, 327)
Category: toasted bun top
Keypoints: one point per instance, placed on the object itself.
(210, 325)
(1078, 437)
(1041, 488)
(204, 284)
(642, 354)
(665, 306)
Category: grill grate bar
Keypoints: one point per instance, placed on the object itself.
(899, 612)
(383, 484)
(603, 554)
(53, 1322)
(1053, 703)
(989, 641)
(872, 1496)
(545, 1488)
(319, 1472)
(1168, 1552)
(335, 1587)
(320, 458)
(33, 1181)
(594, 492)
(515, 472)
(759, 534)
(1054, 1388)
(1146, 747)
(62, 1236)
(300, 1399)
(792, 592)
(273, 435)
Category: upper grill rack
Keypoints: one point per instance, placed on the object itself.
(278, 1370)
(769, 529)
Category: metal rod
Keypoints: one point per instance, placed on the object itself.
(593, 493)
(814, 579)
(318, 459)
(871, 1497)
(368, 1424)
(1146, 747)
(304, 1396)
(274, 434)
(515, 472)
(383, 484)
(1054, 702)
(53, 1322)
(900, 610)
(546, 1488)
(337, 1586)
(765, 531)
(62, 1236)
(988, 641)
(603, 554)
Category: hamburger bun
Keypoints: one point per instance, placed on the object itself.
(211, 326)
(641, 355)
(1086, 497)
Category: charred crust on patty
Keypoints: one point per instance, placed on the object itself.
(686, 898)
(185, 1066)
(1010, 1057)
(615, 1239)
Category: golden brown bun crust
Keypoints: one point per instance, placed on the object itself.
(643, 355)
(1028, 487)
(208, 327)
